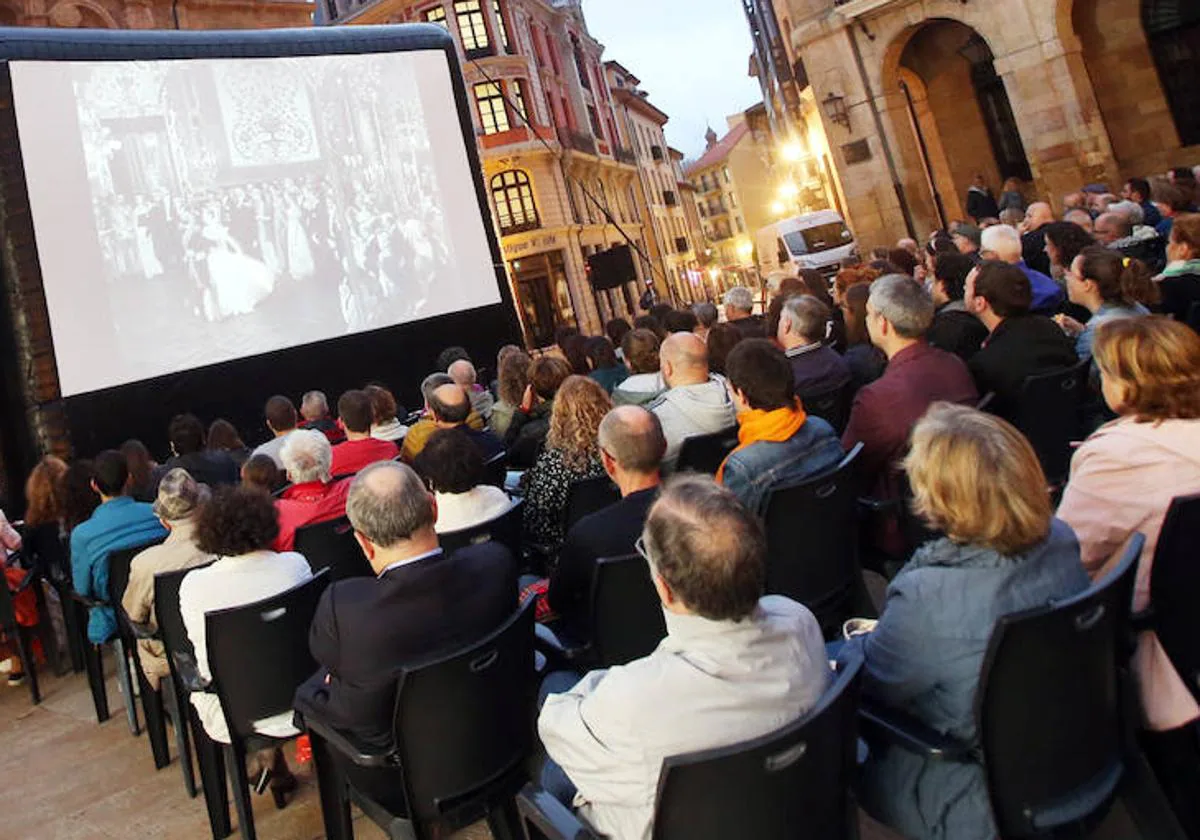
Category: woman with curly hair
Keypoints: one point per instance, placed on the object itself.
(452, 467)
(238, 526)
(512, 376)
(572, 453)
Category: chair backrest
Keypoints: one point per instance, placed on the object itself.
(166, 612)
(1174, 582)
(1193, 316)
(704, 453)
(588, 495)
(1049, 413)
(1048, 706)
(119, 563)
(504, 529)
(831, 406)
(627, 615)
(331, 545)
(258, 653)
(47, 550)
(495, 470)
(462, 721)
(794, 782)
(8, 613)
(812, 543)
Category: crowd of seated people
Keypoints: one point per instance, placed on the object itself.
(918, 338)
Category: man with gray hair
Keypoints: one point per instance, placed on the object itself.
(631, 448)
(421, 602)
(420, 431)
(899, 312)
(735, 665)
(706, 318)
(1001, 242)
(314, 413)
(313, 496)
(695, 402)
(739, 309)
(180, 499)
(816, 367)
(1121, 230)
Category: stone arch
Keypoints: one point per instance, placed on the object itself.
(82, 14)
(10, 15)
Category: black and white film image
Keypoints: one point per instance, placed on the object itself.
(246, 206)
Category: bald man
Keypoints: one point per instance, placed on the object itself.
(1033, 240)
(695, 402)
(448, 408)
(464, 375)
(632, 448)
(1111, 227)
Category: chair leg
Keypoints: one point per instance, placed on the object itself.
(94, 663)
(335, 803)
(76, 635)
(25, 650)
(504, 821)
(125, 682)
(212, 777)
(179, 723)
(235, 767)
(156, 723)
(46, 631)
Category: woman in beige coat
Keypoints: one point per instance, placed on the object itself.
(1123, 479)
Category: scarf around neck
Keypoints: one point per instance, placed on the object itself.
(1183, 267)
(759, 426)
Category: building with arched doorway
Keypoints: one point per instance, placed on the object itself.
(917, 97)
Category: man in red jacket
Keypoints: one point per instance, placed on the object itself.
(359, 449)
(313, 496)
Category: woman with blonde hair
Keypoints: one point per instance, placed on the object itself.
(1122, 481)
(977, 480)
(572, 454)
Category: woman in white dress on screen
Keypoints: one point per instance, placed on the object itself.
(299, 253)
(151, 265)
(236, 282)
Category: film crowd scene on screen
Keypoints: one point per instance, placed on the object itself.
(909, 537)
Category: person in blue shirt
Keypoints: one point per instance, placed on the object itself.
(118, 523)
(1002, 242)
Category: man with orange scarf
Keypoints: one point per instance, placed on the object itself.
(778, 443)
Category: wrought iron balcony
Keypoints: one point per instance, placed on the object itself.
(624, 155)
(577, 140)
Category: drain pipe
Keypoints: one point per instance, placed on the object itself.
(883, 140)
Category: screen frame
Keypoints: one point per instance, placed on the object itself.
(36, 418)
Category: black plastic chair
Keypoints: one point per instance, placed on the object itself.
(588, 496)
(793, 784)
(1193, 316)
(1174, 583)
(258, 654)
(331, 545)
(1048, 710)
(45, 550)
(22, 636)
(504, 529)
(153, 710)
(624, 621)
(812, 545)
(705, 453)
(461, 734)
(184, 679)
(1050, 413)
(831, 406)
(496, 470)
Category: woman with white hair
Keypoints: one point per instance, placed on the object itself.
(313, 496)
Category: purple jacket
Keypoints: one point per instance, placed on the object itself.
(1047, 295)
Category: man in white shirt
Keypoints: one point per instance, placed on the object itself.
(735, 665)
(281, 420)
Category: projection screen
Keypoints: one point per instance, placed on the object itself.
(191, 212)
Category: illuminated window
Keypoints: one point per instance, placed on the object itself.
(516, 90)
(436, 15)
(492, 114)
(513, 195)
(471, 26)
(501, 27)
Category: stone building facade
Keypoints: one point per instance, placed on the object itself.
(157, 14)
(563, 185)
(917, 96)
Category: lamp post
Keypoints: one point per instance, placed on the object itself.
(835, 109)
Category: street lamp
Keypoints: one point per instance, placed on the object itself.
(791, 152)
(788, 191)
(835, 109)
(778, 208)
(745, 250)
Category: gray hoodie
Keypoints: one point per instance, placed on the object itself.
(693, 410)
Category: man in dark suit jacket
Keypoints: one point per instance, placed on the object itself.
(1020, 344)
(899, 313)
(422, 603)
(954, 329)
(739, 309)
(632, 446)
(214, 468)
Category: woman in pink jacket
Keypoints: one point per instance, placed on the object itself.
(1123, 479)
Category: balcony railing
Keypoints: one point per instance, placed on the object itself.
(624, 155)
(577, 140)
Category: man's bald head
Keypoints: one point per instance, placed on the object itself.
(683, 358)
(388, 503)
(1038, 214)
(633, 437)
(449, 404)
(1110, 227)
(462, 372)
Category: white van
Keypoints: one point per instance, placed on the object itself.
(818, 240)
